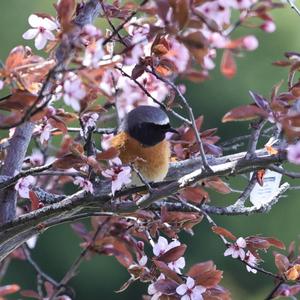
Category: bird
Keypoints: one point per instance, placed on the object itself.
(141, 141)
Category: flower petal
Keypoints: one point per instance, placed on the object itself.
(40, 41)
(34, 21)
(182, 289)
(30, 34)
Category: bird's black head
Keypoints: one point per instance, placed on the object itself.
(147, 124)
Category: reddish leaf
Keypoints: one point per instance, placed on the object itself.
(194, 194)
(210, 278)
(137, 71)
(217, 184)
(199, 268)
(34, 199)
(224, 232)
(293, 273)
(110, 153)
(260, 176)
(205, 274)
(173, 254)
(166, 286)
(244, 113)
(167, 271)
(65, 10)
(228, 65)
(194, 40)
(9, 289)
(282, 262)
(181, 11)
(68, 161)
(57, 123)
(276, 243)
(30, 294)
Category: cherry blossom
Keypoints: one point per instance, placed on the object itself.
(236, 249)
(178, 54)
(91, 30)
(36, 158)
(241, 4)
(218, 11)
(190, 291)
(45, 133)
(23, 186)
(250, 42)
(89, 121)
(162, 246)
(293, 153)
(143, 261)
(152, 291)
(32, 241)
(268, 26)
(73, 93)
(252, 261)
(41, 31)
(93, 54)
(84, 183)
(106, 141)
(1, 84)
(120, 175)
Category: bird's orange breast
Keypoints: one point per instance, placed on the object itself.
(152, 162)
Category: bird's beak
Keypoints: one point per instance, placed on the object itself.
(173, 130)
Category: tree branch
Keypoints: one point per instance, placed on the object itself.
(181, 174)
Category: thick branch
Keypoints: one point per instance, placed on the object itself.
(14, 233)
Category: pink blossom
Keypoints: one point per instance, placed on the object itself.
(89, 121)
(143, 261)
(41, 31)
(32, 241)
(23, 186)
(106, 141)
(219, 11)
(137, 97)
(190, 291)
(152, 291)
(252, 261)
(84, 183)
(208, 60)
(1, 84)
(268, 26)
(178, 54)
(93, 54)
(236, 249)
(36, 158)
(91, 30)
(45, 133)
(162, 246)
(241, 4)
(120, 175)
(215, 39)
(250, 43)
(293, 153)
(73, 93)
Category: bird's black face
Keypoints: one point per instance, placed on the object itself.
(147, 124)
(149, 134)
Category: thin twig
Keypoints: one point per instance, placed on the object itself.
(121, 26)
(190, 113)
(162, 105)
(293, 6)
(37, 267)
(74, 267)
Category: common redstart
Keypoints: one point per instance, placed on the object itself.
(141, 141)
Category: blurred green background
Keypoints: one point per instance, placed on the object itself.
(99, 277)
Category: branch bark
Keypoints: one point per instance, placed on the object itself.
(182, 174)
